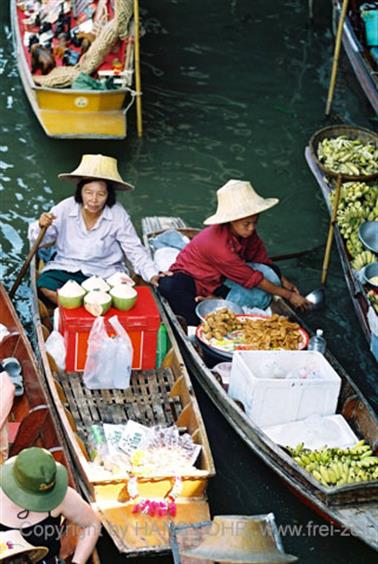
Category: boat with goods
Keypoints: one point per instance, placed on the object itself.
(75, 60)
(136, 490)
(357, 211)
(32, 420)
(360, 42)
(353, 506)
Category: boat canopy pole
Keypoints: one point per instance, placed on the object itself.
(336, 57)
(138, 85)
(331, 229)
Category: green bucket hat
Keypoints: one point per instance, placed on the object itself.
(34, 480)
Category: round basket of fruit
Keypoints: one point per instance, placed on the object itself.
(351, 152)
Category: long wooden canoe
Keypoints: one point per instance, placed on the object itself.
(363, 64)
(163, 396)
(84, 112)
(32, 420)
(353, 507)
(356, 290)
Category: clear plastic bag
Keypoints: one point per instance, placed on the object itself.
(109, 359)
(56, 347)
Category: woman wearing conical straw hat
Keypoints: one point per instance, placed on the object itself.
(92, 232)
(228, 259)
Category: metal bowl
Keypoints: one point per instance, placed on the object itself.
(368, 272)
(331, 131)
(209, 306)
(316, 298)
(368, 234)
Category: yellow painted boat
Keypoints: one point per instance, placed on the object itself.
(160, 396)
(65, 111)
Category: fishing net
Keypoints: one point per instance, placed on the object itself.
(117, 28)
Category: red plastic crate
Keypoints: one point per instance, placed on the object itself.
(141, 322)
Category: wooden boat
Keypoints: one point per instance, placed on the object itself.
(65, 111)
(364, 65)
(32, 420)
(356, 289)
(352, 507)
(162, 396)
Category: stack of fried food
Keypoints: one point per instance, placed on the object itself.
(264, 333)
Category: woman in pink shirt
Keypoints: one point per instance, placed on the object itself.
(228, 259)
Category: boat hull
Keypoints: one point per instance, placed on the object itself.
(359, 300)
(157, 397)
(352, 509)
(32, 420)
(67, 113)
(366, 75)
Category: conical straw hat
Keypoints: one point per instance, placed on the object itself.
(242, 539)
(13, 544)
(238, 199)
(97, 167)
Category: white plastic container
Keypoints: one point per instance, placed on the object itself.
(314, 432)
(266, 383)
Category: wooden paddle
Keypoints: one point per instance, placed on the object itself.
(28, 260)
(138, 86)
(336, 57)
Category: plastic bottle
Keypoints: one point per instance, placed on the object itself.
(162, 344)
(317, 342)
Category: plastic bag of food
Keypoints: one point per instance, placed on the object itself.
(56, 347)
(109, 359)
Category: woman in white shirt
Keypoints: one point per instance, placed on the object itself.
(91, 231)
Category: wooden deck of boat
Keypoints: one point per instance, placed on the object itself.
(146, 401)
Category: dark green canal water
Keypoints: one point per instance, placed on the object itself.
(232, 89)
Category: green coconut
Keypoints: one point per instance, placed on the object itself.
(123, 296)
(70, 295)
(97, 302)
(119, 278)
(95, 283)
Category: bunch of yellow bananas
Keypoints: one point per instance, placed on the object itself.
(337, 466)
(358, 203)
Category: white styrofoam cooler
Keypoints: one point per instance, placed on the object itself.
(314, 432)
(271, 401)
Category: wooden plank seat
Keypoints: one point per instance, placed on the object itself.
(147, 401)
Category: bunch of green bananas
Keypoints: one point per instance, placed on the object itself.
(358, 203)
(366, 257)
(337, 466)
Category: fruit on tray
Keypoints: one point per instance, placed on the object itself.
(348, 156)
(338, 466)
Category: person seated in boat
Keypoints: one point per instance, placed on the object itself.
(91, 230)
(35, 497)
(6, 402)
(228, 259)
(14, 549)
